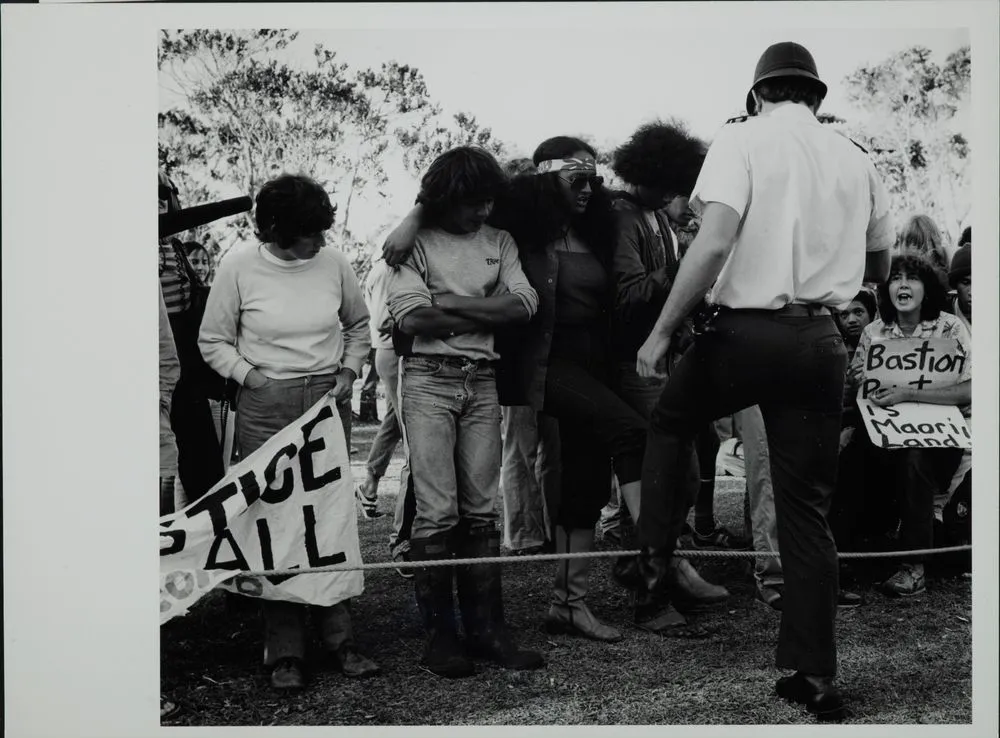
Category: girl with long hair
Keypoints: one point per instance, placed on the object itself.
(911, 304)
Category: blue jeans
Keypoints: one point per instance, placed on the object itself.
(451, 422)
(388, 435)
(749, 426)
(529, 475)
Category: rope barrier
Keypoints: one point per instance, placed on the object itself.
(591, 555)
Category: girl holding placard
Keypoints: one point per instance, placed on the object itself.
(911, 305)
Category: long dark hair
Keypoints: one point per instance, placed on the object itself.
(462, 174)
(935, 293)
(534, 210)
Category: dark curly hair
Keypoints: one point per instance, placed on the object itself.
(291, 206)
(935, 292)
(791, 89)
(462, 174)
(534, 211)
(661, 155)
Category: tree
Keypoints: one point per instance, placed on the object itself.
(238, 111)
(422, 147)
(912, 132)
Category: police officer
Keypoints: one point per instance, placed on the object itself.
(794, 218)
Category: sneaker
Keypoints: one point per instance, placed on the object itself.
(906, 582)
(848, 600)
(720, 538)
(354, 664)
(368, 505)
(403, 556)
(729, 461)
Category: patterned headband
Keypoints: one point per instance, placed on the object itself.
(567, 165)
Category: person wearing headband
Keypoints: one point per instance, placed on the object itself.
(561, 365)
(795, 217)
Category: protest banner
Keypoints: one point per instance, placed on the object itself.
(288, 505)
(920, 363)
(915, 424)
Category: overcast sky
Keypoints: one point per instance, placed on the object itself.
(532, 82)
(529, 85)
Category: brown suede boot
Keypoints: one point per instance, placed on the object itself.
(569, 612)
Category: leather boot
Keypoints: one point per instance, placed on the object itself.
(480, 599)
(569, 612)
(443, 654)
(688, 587)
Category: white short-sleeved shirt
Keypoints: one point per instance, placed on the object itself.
(811, 204)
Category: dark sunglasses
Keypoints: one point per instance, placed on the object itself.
(580, 181)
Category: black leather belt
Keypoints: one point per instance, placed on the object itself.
(791, 310)
(802, 310)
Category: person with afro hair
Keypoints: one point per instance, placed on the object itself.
(660, 165)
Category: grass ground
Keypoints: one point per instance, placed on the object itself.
(901, 662)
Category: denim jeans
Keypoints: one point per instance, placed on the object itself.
(389, 433)
(261, 413)
(451, 420)
(793, 367)
(529, 475)
(749, 426)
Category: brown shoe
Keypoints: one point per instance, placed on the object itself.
(353, 663)
(690, 589)
(286, 676)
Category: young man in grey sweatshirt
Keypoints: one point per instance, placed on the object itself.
(462, 280)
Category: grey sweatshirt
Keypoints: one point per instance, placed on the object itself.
(480, 264)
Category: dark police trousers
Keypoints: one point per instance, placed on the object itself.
(791, 362)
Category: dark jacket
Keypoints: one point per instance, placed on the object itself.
(524, 350)
(643, 270)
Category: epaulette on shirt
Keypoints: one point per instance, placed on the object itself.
(744, 118)
(863, 149)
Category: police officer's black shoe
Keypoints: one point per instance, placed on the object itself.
(818, 694)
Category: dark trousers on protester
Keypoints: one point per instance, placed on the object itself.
(595, 425)
(917, 475)
(790, 362)
(199, 450)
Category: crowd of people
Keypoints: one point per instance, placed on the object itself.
(572, 348)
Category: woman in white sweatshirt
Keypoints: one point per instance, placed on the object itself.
(287, 320)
